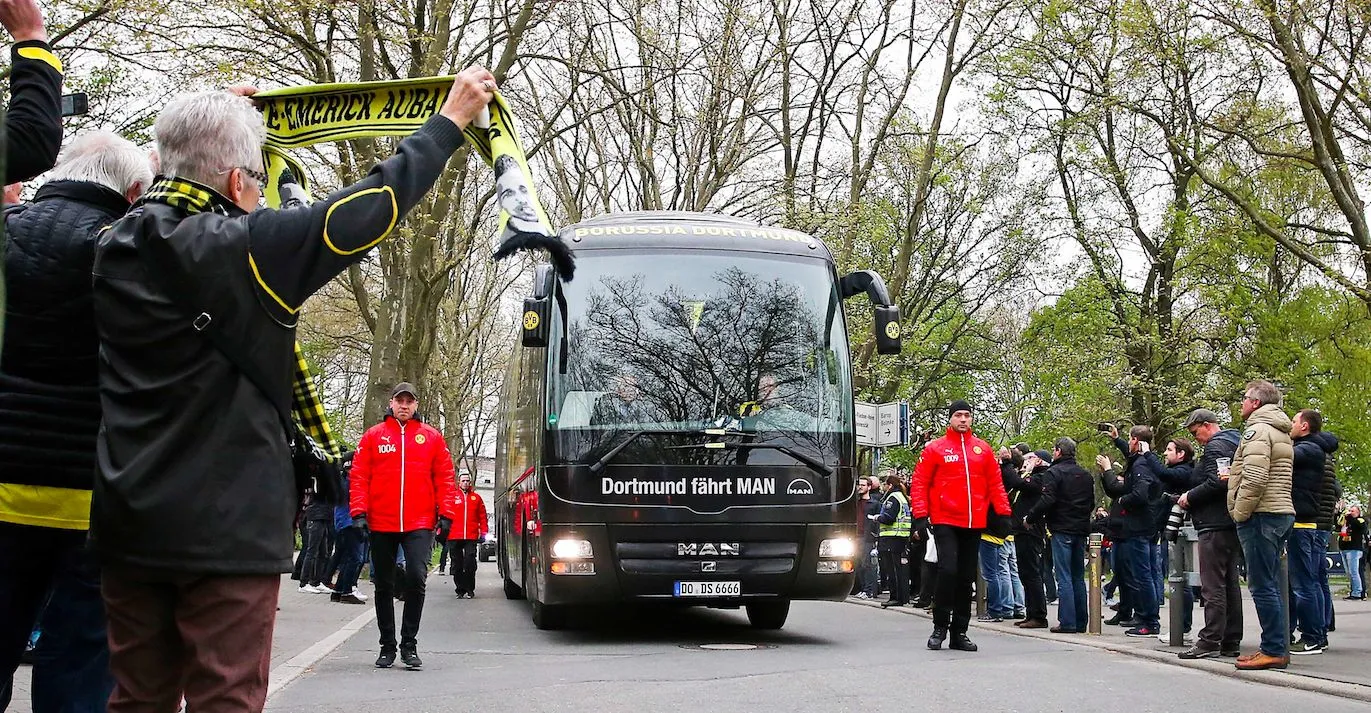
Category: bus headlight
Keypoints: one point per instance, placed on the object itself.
(841, 548)
(572, 550)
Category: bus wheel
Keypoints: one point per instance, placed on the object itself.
(768, 615)
(547, 617)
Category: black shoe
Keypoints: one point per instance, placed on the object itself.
(935, 641)
(386, 659)
(1230, 653)
(1199, 652)
(921, 604)
(891, 603)
(961, 643)
(335, 597)
(411, 658)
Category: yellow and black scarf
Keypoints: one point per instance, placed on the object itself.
(300, 116)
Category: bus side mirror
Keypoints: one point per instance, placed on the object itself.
(535, 321)
(887, 313)
(887, 326)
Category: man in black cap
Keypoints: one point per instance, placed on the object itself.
(401, 489)
(1219, 548)
(955, 485)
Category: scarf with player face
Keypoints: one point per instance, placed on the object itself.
(296, 117)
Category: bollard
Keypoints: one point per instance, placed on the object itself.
(1178, 583)
(1095, 624)
(980, 593)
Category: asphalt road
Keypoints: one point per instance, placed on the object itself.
(485, 655)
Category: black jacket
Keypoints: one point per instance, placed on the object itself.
(1208, 500)
(1136, 496)
(49, 396)
(1068, 498)
(1353, 534)
(1307, 482)
(33, 119)
(1174, 480)
(871, 506)
(1331, 492)
(1025, 492)
(195, 472)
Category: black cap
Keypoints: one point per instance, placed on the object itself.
(958, 405)
(1201, 415)
(1043, 455)
(404, 387)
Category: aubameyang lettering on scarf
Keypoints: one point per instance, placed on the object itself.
(291, 114)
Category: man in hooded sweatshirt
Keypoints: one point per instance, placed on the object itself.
(1260, 502)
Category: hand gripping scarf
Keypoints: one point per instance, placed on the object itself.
(301, 116)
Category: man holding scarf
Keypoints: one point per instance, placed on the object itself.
(194, 494)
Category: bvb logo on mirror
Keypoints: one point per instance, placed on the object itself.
(530, 320)
(892, 330)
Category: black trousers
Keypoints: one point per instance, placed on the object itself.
(1049, 573)
(958, 555)
(463, 565)
(1220, 553)
(316, 547)
(1029, 548)
(418, 546)
(917, 550)
(891, 551)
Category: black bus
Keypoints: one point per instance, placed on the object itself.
(678, 424)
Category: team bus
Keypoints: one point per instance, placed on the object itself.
(677, 426)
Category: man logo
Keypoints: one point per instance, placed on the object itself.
(799, 486)
(708, 549)
(708, 566)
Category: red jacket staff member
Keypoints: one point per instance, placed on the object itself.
(468, 530)
(956, 482)
(401, 487)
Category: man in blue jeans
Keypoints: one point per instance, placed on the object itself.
(1136, 495)
(1259, 499)
(1067, 501)
(1309, 541)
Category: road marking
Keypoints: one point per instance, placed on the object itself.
(286, 673)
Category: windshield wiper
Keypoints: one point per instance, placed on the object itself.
(814, 464)
(609, 455)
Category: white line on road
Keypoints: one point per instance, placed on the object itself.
(286, 673)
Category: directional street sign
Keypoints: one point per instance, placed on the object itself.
(866, 424)
(888, 424)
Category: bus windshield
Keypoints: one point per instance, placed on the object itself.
(684, 341)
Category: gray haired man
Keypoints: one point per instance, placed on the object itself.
(197, 293)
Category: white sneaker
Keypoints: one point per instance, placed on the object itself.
(323, 589)
(358, 593)
(307, 589)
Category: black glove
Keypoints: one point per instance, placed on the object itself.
(360, 522)
(919, 528)
(444, 524)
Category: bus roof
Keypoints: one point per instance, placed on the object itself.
(682, 229)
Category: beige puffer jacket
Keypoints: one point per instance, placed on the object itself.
(1263, 466)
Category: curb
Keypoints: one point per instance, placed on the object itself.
(286, 673)
(1287, 679)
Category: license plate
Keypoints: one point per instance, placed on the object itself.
(709, 589)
